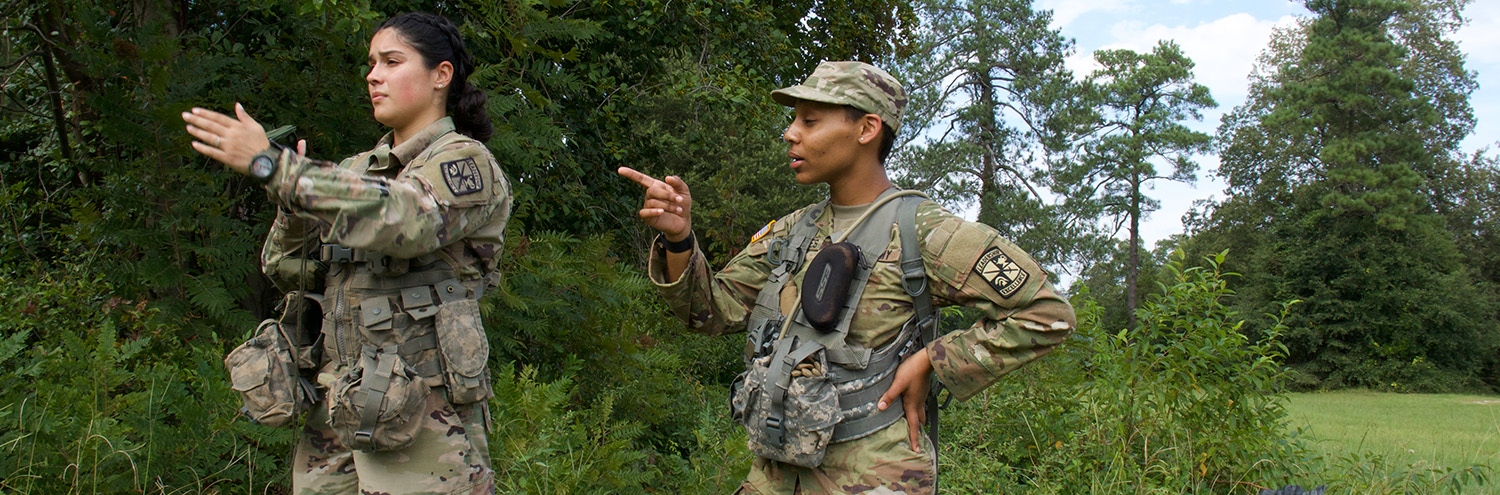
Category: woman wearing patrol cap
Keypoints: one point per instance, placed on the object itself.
(409, 233)
(847, 114)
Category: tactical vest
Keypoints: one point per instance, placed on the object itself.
(769, 397)
(416, 327)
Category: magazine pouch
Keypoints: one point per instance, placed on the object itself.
(376, 406)
(465, 350)
(788, 404)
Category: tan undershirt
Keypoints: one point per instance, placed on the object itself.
(844, 216)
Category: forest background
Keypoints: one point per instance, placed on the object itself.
(1356, 246)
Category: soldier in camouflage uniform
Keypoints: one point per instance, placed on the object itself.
(846, 117)
(375, 233)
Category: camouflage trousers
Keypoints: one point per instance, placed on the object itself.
(450, 456)
(880, 464)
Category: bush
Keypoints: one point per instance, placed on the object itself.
(1182, 403)
(100, 400)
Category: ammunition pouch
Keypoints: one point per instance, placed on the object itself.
(788, 405)
(376, 406)
(465, 351)
(421, 329)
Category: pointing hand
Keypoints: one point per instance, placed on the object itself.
(668, 205)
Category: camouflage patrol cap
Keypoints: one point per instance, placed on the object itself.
(856, 84)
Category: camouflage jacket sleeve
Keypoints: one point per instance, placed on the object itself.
(413, 214)
(286, 258)
(717, 303)
(1024, 318)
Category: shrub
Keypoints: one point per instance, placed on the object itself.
(1182, 403)
(98, 399)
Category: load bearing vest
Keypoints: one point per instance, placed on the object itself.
(413, 314)
(860, 374)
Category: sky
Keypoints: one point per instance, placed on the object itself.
(1223, 38)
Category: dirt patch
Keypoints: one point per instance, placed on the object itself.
(1486, 402)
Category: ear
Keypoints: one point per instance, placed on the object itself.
(870, 129)
(442, 75)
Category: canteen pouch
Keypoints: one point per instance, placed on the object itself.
(264, 372)
(465, 350)
(809, 412)
(377, 405)
(825, 287)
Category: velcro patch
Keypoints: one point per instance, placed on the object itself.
(462, 176)
(1001, 272)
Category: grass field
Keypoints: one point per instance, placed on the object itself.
(1440, 429)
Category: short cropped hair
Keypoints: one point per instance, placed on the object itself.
(887, 136)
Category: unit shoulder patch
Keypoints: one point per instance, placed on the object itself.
(1001, 272)
(462, 176)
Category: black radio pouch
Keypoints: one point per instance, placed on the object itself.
(825, 287)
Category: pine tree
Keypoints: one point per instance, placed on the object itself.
(1329, 166)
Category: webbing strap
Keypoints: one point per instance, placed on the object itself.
(765, 318)
(417, 344)
(379, 364)
(786, 358)
(415, 279)
(852, 429)
(914, 280)
(872, 233)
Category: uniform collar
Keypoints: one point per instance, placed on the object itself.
(381, 158)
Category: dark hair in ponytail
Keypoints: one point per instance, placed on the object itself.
(436, 39)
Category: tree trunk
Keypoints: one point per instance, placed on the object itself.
(1132, 272)
(54, 93)
(988, 189)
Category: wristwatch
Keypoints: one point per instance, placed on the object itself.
(263, 165)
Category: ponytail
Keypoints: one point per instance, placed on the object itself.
(437, 40)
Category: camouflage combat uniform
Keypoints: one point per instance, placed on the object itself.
(967, 263)
(438, 199)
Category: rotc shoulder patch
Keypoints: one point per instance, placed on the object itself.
(462, 176)
(1001, 272)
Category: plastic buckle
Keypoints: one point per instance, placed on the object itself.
(334, 253)
(380, 264)
(773, 429)
(765, 336)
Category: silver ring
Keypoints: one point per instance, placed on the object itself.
(217, 140)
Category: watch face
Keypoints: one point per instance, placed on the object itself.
(261, 167)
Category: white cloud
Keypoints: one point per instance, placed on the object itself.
(1064, 12)
(1224, 50)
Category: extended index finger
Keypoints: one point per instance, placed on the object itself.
(644, 180)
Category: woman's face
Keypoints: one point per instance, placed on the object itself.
(401, 86)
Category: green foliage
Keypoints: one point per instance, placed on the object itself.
(987, 81)
(101, 399)
(570, 310)
(1139, 102)
(1105, 281)
(1184, 402)
(1342, 170)
(604, 401)
(541, 447)
(542, 444)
